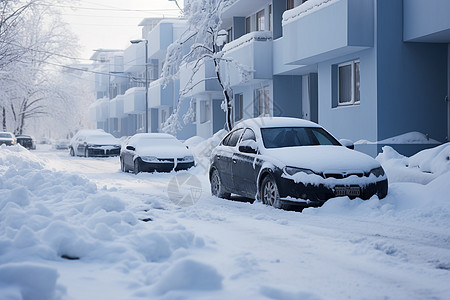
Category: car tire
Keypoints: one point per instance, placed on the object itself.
(71, 152)
(217, 188)
(122, 165)
(269, 192)
(137, 167)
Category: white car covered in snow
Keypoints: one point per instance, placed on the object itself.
(288, 162)
(94, 142)
(150, 152)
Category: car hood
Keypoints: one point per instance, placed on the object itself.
(163, 152)
(323, 158)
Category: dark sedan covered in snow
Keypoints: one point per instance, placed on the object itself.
(26, 141)
(291, 163)
(94, 142)
(155, 152)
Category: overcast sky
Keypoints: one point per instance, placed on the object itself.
(111, 24)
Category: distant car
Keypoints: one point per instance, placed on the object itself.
(7, 138)
(150, 152)
(62, 144)
(26, 141)
(94, 142)
(291, 163)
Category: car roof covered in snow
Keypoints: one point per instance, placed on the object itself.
(267, 122)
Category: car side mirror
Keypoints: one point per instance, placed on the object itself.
(131, 148)
(248, 147)
(347, 143)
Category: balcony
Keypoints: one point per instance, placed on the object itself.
(202, 82)
(318, 31)
(158, 95)
(426, 21)
(134, 58)
(134, 101)
(99, 110)
(253, 54)
(162, 35)
(116, 107)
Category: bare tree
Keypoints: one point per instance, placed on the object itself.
(203, 41)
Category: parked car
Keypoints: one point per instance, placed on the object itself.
(150, 152)
(62, 144)
(94, 142)
(7, 138)
(26, 141)
(291, 163)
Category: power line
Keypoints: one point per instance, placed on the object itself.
(110, 9)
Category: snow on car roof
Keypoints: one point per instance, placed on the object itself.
(265, 122)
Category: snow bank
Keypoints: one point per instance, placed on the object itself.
(422, 167)
(202, 150)
(29, 281)
(406, 138)
(58, 217)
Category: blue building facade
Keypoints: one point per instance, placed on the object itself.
(367, 70)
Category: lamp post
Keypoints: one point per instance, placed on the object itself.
(146, 80)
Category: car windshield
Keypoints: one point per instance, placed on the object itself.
(280, 137)
(5, 135)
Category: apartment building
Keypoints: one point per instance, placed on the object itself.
(368, 70)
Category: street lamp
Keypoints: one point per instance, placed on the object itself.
(146, 80)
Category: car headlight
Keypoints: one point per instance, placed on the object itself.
(292, 171)
(149, 158)
(188, 158)
(377, 172)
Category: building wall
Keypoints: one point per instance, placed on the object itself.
(412, 79)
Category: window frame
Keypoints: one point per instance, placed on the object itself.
(355, 83)
(260, 20)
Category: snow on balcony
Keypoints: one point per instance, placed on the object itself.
(161, 95)
(134, 101)
(304, 9)
(116, 107)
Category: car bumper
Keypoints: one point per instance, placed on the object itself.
(164, 166)
(301, 195)
(100, 152)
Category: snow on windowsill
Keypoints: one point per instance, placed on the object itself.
(247, 38)
(304, 9)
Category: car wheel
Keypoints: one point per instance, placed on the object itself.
(122, 165)
(217, 187)
(137, 167)
(72, 153)
(269, 192)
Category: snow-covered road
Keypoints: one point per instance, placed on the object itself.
(134, 241)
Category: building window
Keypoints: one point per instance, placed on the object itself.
(248, 25)
(229, 35)
(260, 20)
(262, 102)
(238, 107)
(348, 77)
(270, 18)
(205, 111)
(289, 4)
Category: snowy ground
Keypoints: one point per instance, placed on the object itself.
(78, 228)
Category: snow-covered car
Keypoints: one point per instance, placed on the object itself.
(94, 142)
(150, 152)
(7, 138)
(26, 141)
(291, 163)
(61, 144)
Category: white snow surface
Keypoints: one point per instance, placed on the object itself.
(78, 228)
(305, 9)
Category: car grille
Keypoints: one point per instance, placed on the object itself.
(103, 152)
(342, 175)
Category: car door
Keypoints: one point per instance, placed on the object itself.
(223, 157)
(127, 155)
(245, 167)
